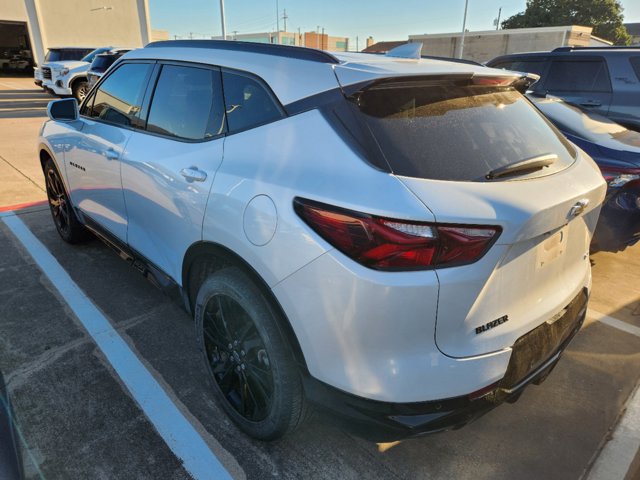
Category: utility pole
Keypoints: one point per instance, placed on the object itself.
(464, 29)
(223, 21)
(285, 17)
(498, 19)
(323, 48)
(278, 19)
(318, 37)
(357, 43)
(235, 34)
(190, 35)
(299, 37)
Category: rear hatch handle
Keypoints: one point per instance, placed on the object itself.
(523, 166)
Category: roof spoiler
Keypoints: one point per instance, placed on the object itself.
(408, 50)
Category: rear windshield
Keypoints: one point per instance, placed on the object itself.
(102, 62)
(459, 133)
(91, 55)
(66, 54)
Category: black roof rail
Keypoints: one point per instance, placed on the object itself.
(298, 53)
(607, 47)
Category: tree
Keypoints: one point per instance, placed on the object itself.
(604, 16)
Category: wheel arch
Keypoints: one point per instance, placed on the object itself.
(76, 79)
(43, 153)
(204, 258)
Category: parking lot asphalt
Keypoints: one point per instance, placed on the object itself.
(78, 419)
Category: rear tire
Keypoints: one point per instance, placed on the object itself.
(256, 381)
(64, 218)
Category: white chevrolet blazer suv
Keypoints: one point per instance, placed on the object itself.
(402, 242)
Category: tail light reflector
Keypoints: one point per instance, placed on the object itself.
(392, 244)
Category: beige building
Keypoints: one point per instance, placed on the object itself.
(483, 46)
(323, 41)
(30, 27)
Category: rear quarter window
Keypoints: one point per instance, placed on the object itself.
(248, 102)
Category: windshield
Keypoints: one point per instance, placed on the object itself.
(89, 57)
(589, 126)
(102, 62)
(58, 55)
(460, 133)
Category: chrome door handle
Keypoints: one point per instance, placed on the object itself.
(192, 174)
(111, 154)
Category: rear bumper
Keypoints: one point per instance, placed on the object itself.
(533, 357)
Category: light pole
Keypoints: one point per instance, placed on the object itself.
(464, 28)
(222, 20)
(277, 22)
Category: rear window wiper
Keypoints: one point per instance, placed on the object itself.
(523, 166)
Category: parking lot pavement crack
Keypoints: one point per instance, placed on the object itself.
(21, 173)
(20, 376)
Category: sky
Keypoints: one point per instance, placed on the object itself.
(382, 19)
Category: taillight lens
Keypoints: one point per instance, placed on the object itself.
(619, 177)
(391, 244)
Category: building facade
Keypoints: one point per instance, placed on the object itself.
(483, 46)
(323, 41)
(31, 27)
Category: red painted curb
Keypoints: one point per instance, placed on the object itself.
(21, 206)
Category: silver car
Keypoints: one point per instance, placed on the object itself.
(401, 241)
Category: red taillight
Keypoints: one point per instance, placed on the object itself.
(389, 244)
(617, 177)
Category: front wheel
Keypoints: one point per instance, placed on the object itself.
(64, 218)
(255, 378)
(80, 90)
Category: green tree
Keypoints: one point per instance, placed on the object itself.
(604, 16)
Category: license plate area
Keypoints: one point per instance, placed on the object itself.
(553, 248)
(533, 349)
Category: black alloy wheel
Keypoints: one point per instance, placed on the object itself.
(58, 202)
(255, 378)
(64, 218)
(238, 358)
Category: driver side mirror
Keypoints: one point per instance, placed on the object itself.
(65, 110)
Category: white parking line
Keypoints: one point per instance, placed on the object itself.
(614, 460)
(614, 322)
(179, 434)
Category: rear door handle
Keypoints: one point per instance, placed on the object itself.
(111, 154)
(192, 174)
(591, 103)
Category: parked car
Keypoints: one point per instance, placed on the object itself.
(603, 80)
(403, 242)
(11, 466)
(102, 62)
(616, 150)
(42, 73)
(69, 77)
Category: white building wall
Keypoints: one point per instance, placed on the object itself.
(84, 23)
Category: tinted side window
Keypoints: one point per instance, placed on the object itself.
(578, 76)
(635, 63)
(187, 103)
(248, 103)
(119, 98)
